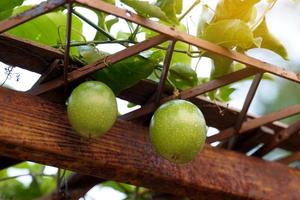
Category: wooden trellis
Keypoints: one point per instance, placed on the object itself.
(36, 129)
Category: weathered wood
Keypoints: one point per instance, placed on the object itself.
(26, 54)
(203, 44)
(248, 100)
(256, 123)
(278, 138)
(243, 113)
(38, 131)
(165, 70)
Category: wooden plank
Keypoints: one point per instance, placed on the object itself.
(205, 45)
(32, 13)
(247, 103)
(165, 70)
(278, 138)
(84, 71)
(27, 54)
(243, 113)
(195, 91)
(38, 131)
(257, 122)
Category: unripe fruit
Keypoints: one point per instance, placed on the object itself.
(92, 109)
(178, 131)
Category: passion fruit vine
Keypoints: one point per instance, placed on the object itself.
(178, 131)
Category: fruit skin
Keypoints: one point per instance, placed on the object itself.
(92, 109)
(178, 131)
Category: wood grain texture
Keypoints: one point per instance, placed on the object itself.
(37, 130)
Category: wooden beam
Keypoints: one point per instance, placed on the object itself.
(26, 54)
(102, 63)
(37, 130)
(278, 138)
(243, 113)
(256, 123)
(203, 44)
(195, 91)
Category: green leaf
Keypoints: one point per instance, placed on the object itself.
(131, 105)
(183, 76)
(146, 9)
(269, 41)
(110, 23)
(121, 35)
(236, 9)
(126, 73)
(44, 29)
(220, 66)
(229, 33)
(48, 29)
(181, 57)
(7, 6)
(224, 93)
(171, 8)
(101, 24)
(104, 25)
(22, 165)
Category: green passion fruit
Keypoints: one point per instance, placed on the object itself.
(178, 131)
(92, 109)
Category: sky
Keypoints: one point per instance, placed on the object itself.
(283, 21)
